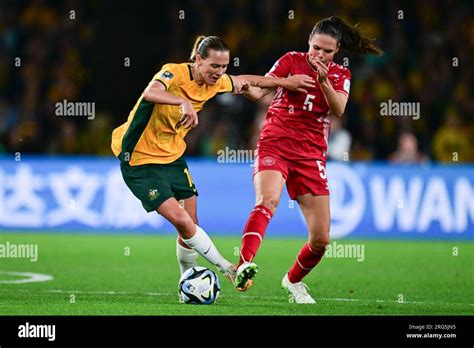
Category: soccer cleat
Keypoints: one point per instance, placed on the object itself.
(231, 275)
(245, 273)
(298, 292)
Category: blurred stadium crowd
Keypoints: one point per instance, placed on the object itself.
(53, 51)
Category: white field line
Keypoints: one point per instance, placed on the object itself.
(329, 299)
(28, 277)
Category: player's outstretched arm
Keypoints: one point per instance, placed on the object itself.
(296, 83)
(255, 87)
(256, 93)
(250, 92)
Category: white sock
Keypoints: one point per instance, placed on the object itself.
(206, 248)
(186, 257)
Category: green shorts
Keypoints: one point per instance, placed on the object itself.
(153, 184)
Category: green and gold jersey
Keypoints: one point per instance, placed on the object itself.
(150, 134)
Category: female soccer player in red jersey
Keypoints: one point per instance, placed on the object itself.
(292, 148)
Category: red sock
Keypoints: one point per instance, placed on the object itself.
(253, 232)
(306, 260)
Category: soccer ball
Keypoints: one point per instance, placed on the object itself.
(199, 285)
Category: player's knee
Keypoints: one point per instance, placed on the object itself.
(320, 242)
(269, 202)
(318, 247)
(184, 224)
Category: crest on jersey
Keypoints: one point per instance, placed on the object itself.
(167, 75)
(268, 161)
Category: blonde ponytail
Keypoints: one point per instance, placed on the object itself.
(198, 41)
(203, 44)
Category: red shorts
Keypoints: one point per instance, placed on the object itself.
(302, 176)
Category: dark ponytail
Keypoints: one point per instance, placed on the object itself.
(203, 44)
(348, 36)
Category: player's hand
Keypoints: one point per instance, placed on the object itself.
(299, 83)
(189, 118)
(241, 87)
(322, 71)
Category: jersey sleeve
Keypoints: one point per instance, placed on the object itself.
(281, 68)
(168, 75)
(226, 85)
(342, 82)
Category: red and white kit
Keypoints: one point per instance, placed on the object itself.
(294, 138)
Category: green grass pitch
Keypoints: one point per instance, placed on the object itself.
(92, 275)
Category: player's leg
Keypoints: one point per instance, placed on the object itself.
(308, 185)
(186, 256)
(317, 215)
(191, 234)
(156, 186)
(183, 189)
(268, 186)
(316, 212)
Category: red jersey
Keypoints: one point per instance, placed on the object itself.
(298, 124)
